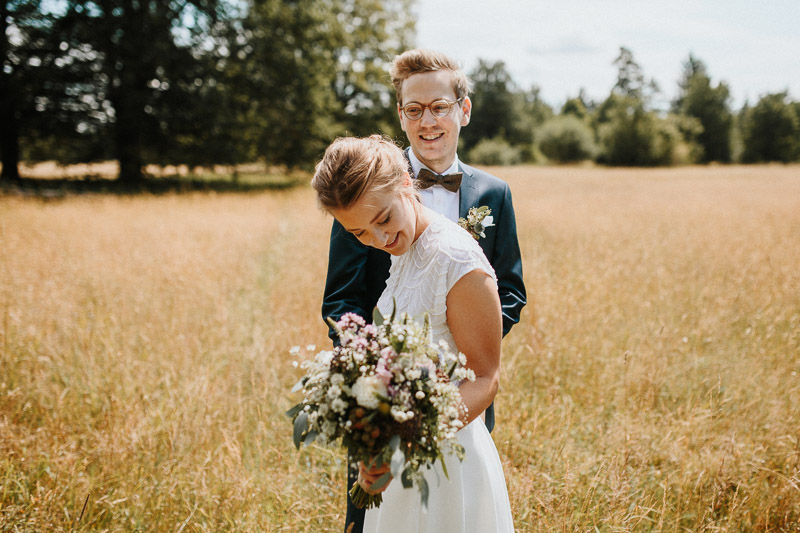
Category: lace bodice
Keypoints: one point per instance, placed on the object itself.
(420, 279)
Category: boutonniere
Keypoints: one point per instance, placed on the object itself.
(478, 219)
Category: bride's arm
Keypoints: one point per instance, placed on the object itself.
(476, 322)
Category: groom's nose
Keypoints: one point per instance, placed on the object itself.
(427, 119)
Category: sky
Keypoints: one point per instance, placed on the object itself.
(564, 46)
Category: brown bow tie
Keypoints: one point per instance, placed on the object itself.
(451, 182)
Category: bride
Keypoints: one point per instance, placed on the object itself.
(439, 269)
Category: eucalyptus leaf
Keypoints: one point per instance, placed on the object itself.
(423, 493)
(394, 442)
(444, 465)
(311, 436)
(377, 317)
(398, 462)
(300, 427)
(291, 413)
(405, 478)
(299, 385)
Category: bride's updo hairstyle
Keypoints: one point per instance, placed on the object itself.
(354, 166)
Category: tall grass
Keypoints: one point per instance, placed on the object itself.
(652, 384)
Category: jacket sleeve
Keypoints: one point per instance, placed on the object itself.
(346, 281)
(508, 264)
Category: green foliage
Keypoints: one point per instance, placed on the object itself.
(567, 139)
(710, 106)
(496, 151)
(494, 109)
(771, 130)
(205, 82)
(197, 82)
(576, 107)
(373, 33)
(45, 100)
(289, 77)
(533, 113)
(630, 135)
(631, 81)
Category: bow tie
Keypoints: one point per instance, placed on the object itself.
(426, 179)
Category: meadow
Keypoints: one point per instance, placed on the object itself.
(651, 385)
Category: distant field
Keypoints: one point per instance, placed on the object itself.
(652, 384)
(110, 170)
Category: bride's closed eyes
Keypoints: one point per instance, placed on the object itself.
(381, 223)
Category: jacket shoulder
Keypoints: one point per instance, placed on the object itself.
(484, 178)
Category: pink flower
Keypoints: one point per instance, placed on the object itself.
(382, 372)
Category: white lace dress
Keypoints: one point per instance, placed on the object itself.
(474, 498)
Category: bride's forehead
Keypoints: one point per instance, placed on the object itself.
(361, 213)
(374, 201)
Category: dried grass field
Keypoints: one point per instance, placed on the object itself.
(652, 384)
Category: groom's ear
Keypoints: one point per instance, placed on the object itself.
(466, 111)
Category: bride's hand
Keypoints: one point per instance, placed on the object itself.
(367, 478)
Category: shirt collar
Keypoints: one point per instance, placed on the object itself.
(416, 164)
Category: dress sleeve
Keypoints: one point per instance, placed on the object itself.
(464, 256)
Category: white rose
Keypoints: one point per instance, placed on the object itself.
(366, 391)
(338, 406)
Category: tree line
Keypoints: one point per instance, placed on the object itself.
(626, 129)
(201, 82)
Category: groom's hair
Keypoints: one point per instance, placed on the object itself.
(418, 61)
(353, 166)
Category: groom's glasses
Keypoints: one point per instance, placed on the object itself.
(439, 109)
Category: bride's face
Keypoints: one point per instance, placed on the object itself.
(385, 220)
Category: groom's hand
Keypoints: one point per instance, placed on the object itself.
(367, 478)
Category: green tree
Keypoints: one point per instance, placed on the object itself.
(276, 68)
(115, 70)
(577, 107)
(625, 131)
(373, 34)
(497, 151)
(625, 127)
(567, 139)
(771, 130)
(26, 48)
(710, 106)
(631, 81)
(495, 112)
(304, 71)
(533, 113)
(630, 133)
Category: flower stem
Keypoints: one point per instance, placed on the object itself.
(362, 499)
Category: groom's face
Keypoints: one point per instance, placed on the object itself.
(433, 139)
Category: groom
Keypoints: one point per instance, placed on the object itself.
(433, 105)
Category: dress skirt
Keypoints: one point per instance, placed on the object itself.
(473, 500)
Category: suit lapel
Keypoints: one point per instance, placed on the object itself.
(469, 190)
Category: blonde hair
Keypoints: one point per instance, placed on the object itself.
(418, 61)
(353, 166)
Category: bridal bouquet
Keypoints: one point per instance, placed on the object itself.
(389, 394)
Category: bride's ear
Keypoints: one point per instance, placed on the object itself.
(407, 180)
